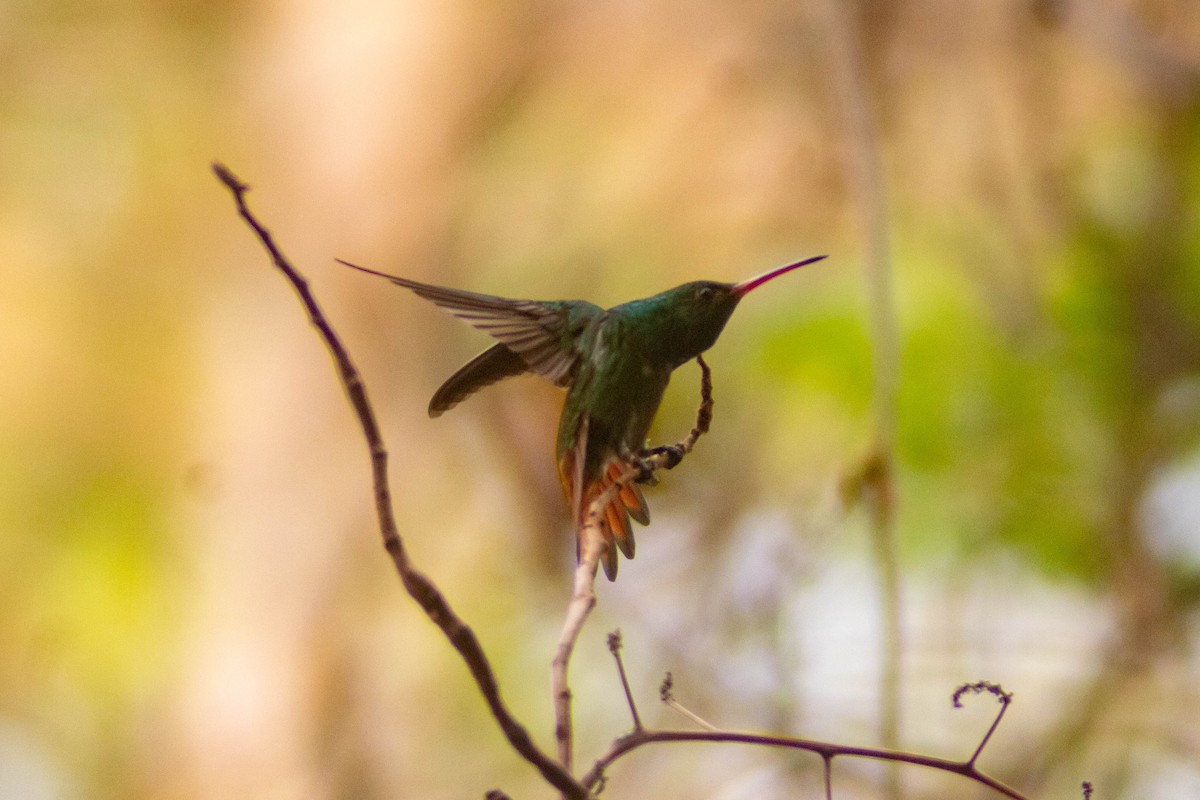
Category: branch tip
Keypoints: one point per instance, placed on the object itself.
(226, 176)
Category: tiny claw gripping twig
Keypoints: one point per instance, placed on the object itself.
(671, 454)
(977, 688)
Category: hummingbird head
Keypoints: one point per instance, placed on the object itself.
(698, 311)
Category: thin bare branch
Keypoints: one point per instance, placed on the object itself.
(704, 416)
(583, 600)
(826, 750)
(614, 647)
(418, 586)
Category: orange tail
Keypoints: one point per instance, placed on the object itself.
(614, 520)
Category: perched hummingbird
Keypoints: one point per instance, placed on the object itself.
(614, 364)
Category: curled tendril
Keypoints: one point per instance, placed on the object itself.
(978, 688)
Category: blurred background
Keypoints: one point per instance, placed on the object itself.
(193, 599)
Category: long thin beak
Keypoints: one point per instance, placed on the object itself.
(740, 289)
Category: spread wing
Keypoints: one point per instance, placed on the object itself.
(542, 333)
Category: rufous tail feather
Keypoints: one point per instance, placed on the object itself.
(614, 518)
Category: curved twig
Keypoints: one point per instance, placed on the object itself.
(1002, 696)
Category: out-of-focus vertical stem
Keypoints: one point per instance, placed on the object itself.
(876, 478)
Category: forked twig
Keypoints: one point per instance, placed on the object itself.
(636, 739)
(826, 750)
(418, 586)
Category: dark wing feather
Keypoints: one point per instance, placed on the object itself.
(493, 364)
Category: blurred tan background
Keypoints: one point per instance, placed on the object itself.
(193, 599)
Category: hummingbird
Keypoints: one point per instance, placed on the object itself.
(615, 365)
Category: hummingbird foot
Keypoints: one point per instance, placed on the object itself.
(671, 455)
(650, 460)
(645, 471)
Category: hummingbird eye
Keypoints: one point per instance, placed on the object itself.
(704, 293)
